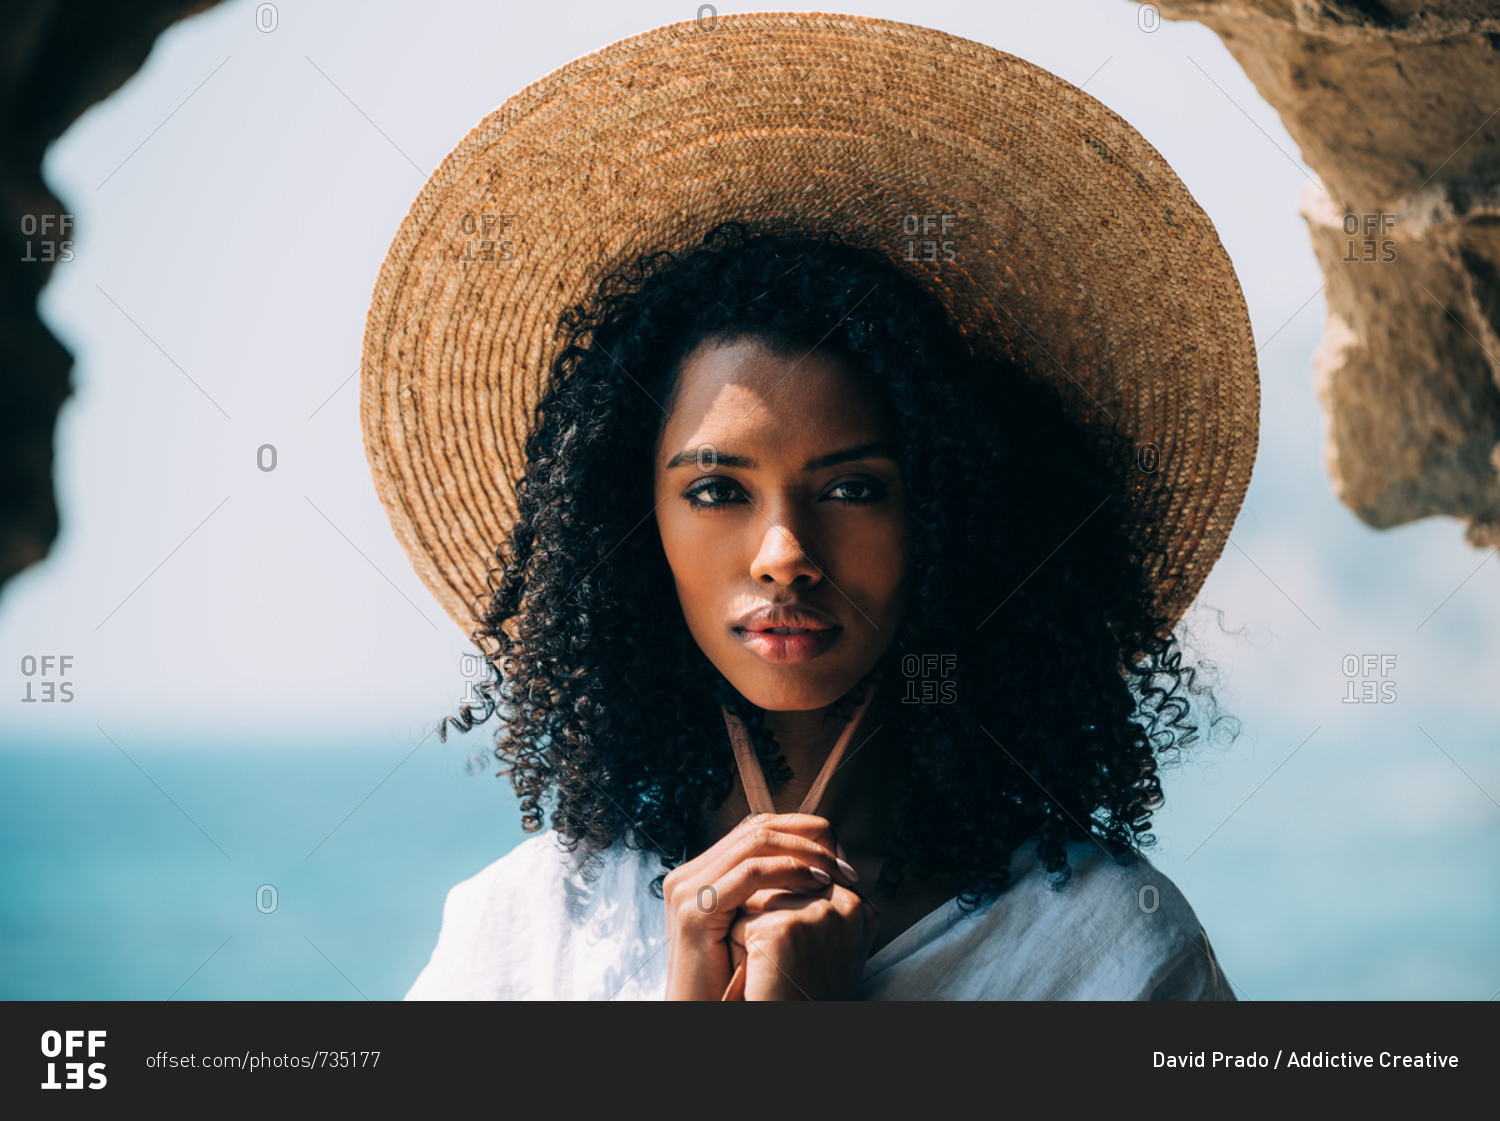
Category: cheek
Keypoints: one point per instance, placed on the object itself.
(697, 560)
(879, 562)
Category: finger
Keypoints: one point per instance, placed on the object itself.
(755, 831)
(850, 903)
(759, 842)
(804, 835)
(808, 838)
(789, 873)
(737, 939)
(847, 903)
(808, 826)
(772, 900)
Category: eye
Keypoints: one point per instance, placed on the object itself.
(718, 493)
(858, 492)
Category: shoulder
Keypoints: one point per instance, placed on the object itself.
(1116, 930)
(538, 924)
(537, 865)
(484, 923)
(1130, 933)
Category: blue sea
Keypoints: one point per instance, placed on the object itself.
(211, 872)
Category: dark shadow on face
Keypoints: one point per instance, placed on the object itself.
(776, 484)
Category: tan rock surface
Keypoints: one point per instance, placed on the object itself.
(1396, 106)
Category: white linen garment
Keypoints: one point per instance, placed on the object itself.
(530, 927)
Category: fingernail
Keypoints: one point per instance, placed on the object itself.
(848, 869)
(818, 874)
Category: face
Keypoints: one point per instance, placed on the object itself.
(783, 516)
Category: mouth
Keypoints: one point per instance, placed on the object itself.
(788, 645)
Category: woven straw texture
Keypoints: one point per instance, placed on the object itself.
(1069, 247)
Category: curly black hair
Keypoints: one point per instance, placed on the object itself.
(1060, 689)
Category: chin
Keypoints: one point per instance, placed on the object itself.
(792, 692)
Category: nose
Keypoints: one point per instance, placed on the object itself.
(782, 557)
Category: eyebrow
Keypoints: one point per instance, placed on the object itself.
(874, 450)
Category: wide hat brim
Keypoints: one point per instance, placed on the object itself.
(1069, 247)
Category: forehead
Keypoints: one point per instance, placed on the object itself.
(742, 393)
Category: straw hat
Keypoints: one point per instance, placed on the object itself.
(1053, 232)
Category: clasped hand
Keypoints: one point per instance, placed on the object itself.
(772, 893)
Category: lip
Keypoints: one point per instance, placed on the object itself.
(812, 633)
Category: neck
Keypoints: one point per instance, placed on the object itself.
(858, 800)
(806, 739)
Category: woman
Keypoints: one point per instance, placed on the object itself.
(836, 494)
(793, 532)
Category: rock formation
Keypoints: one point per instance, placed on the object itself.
(56, 59)
(1396, 106)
